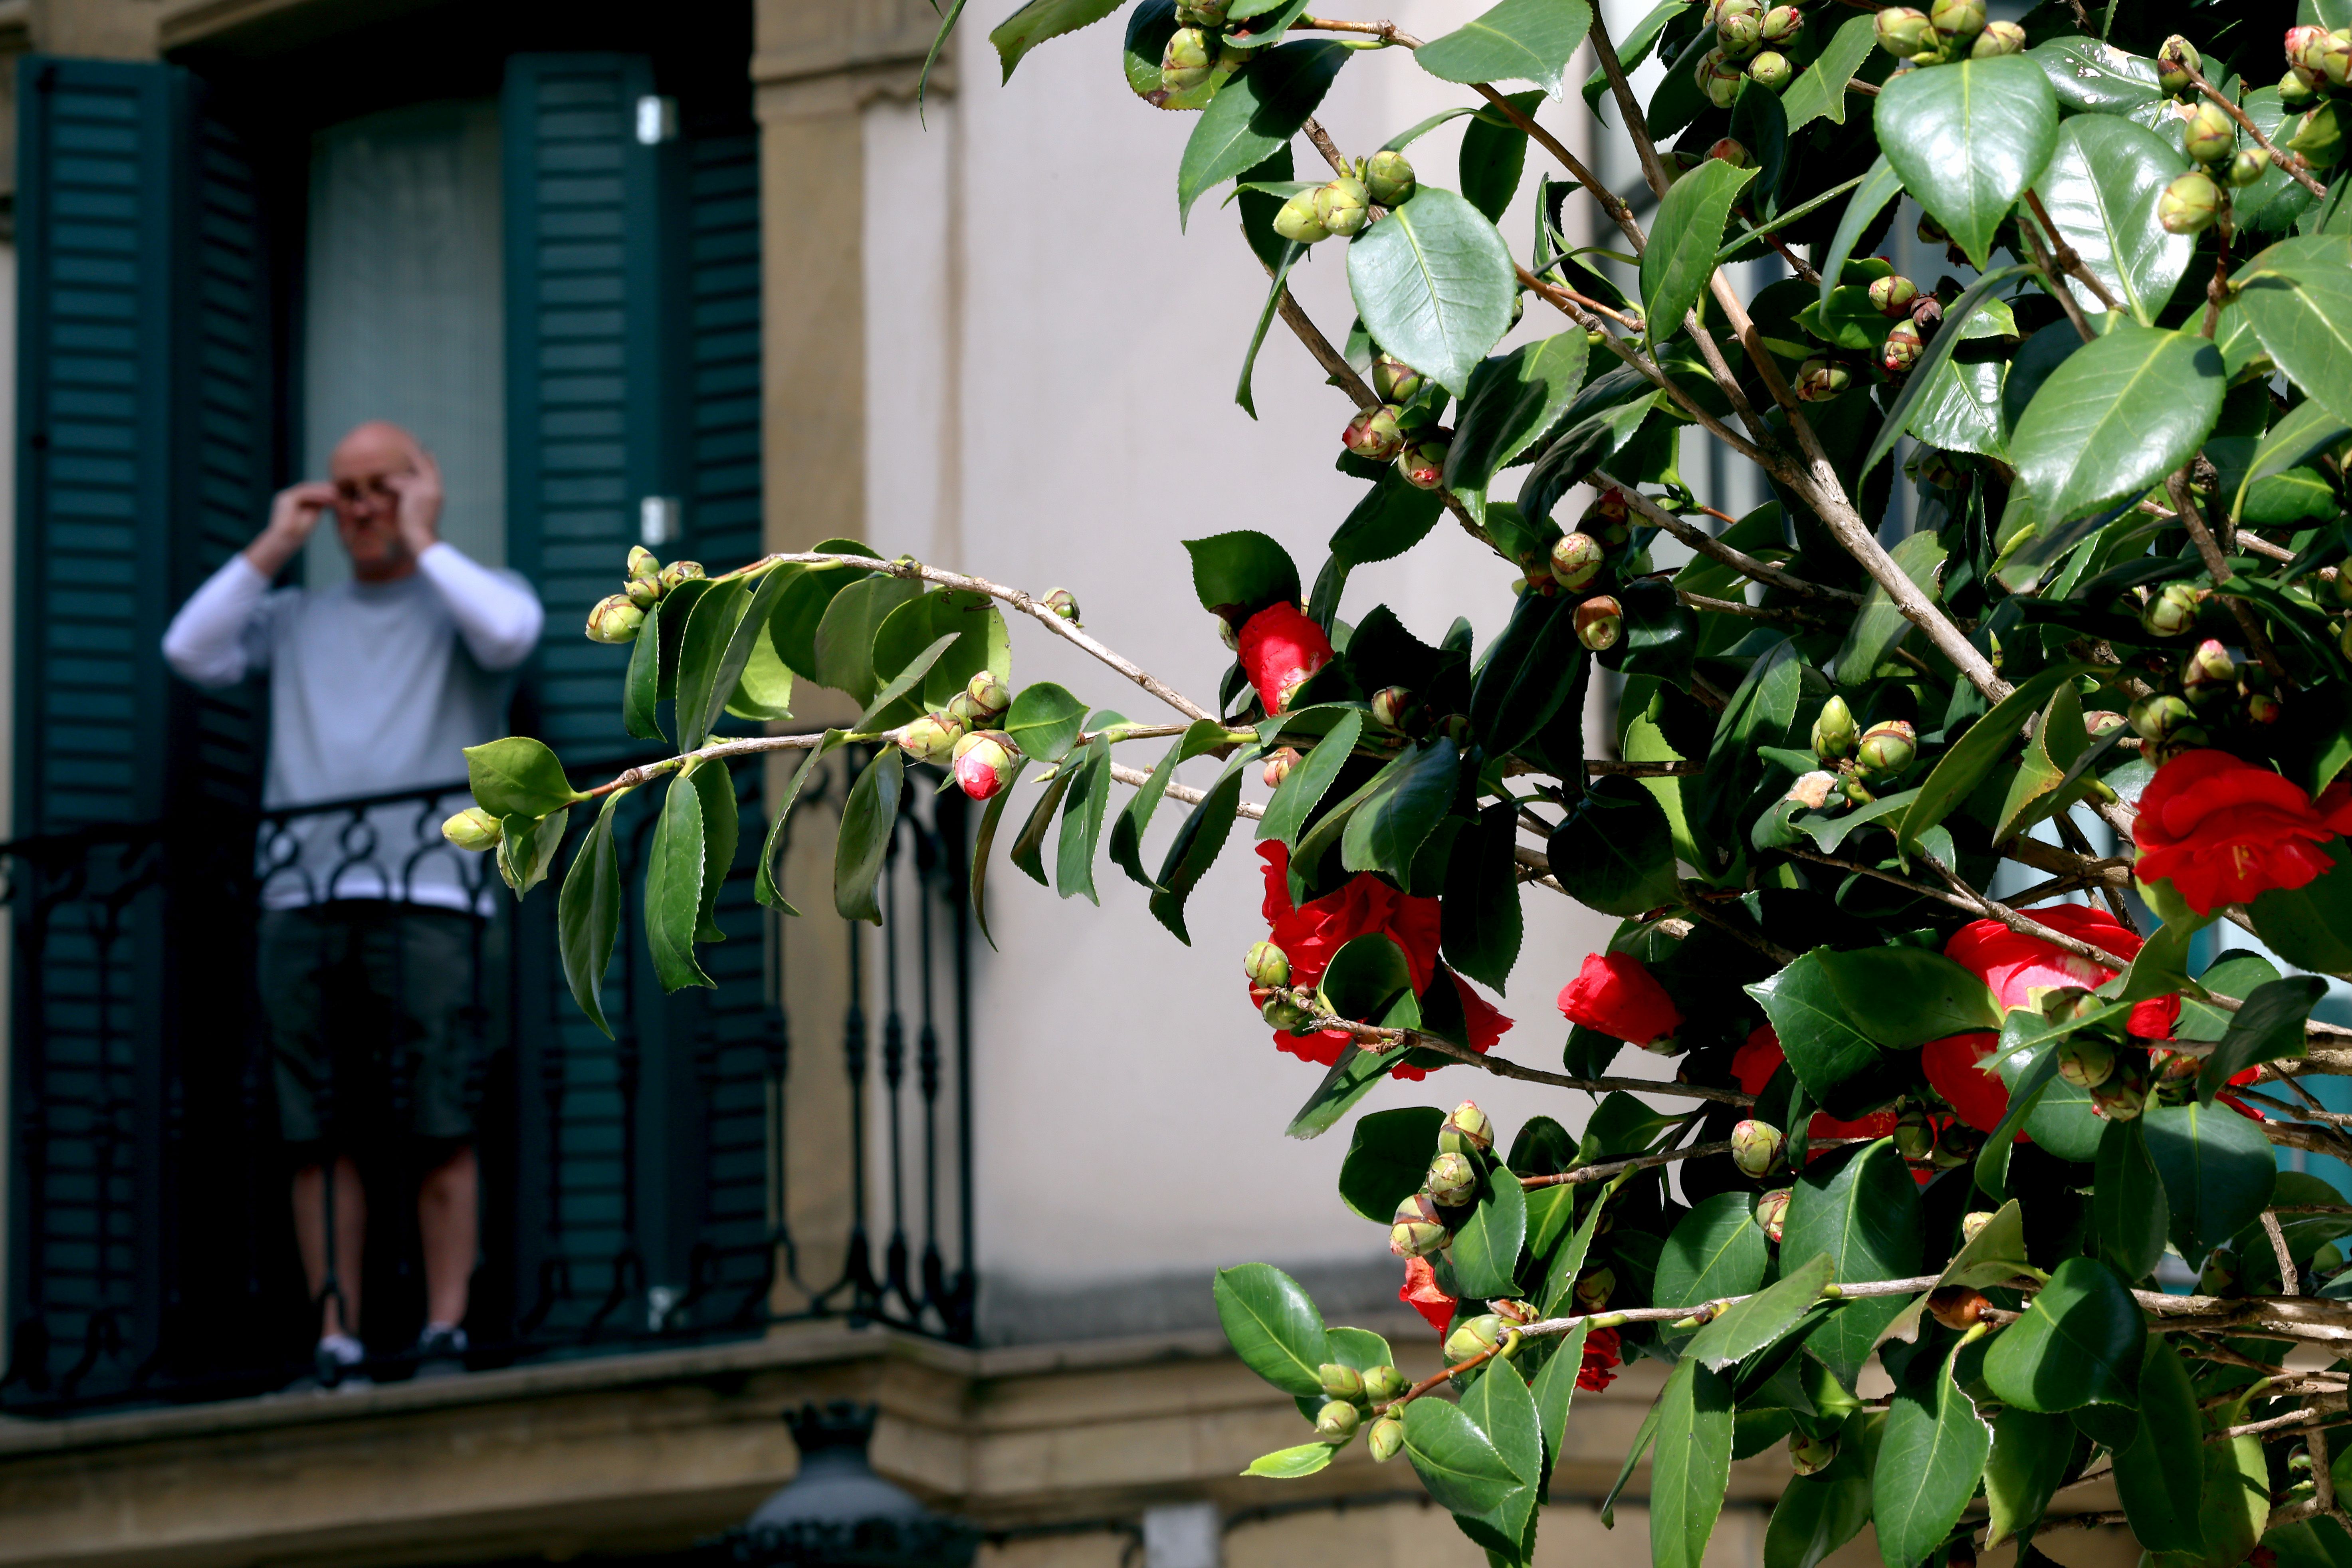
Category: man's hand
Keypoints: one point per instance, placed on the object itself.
(419, 517)
(293, 518)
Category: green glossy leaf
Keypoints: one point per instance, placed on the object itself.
(845, 637)
(1926, 373)
(1044, 721)
(1127, 830)
(1821, 1512)
(1433, 283)
(868, 820)
(1479, 915)
(2297, 298)
(1275, 285)
(1684, 238)
(2311, 926)
(1512, 399)
(674, 886)
(1351, 1077)
(1880, 184)
(983, 841)
(2101, 188)
(1291, 1464)
(792, 629)
(1841, 1066)
(2218, 1171)
(1555, 1390)
(722, 821)
(1863, 1211)
(2300, 434)
(518, 776)
(1714, 1251)
(1464, 1473)
(1967, 138)
(1258, 110)
(759, 684)
(1028, 851)
(1929, 1460)
(1500, 1406)
(1518, 40)
(1494, 155)
(1238, 573)
(1879, 626)
(2092, 77)
(1039, 20)
(1820, 90)
(681, 602)
(1365, 977)
(703, 682)
(1614, 849)
(2117, 416)
(766, 888)
(1082, 823)
(1195, 848)
(1972, 759)
(1295, 798)
(2234, 1505)
(2268, 1028)
(1388, 1158)
(1416, 791)
(1527, 674)
(2160, 1474)
(1747, 1327)
(2127, 1203)
(1485, 1249)
(981, 642)
(1691, 1466)
(1906, 997)
(588, 913)
(1273, 1326)
(641, 687)
(1392, 518)
(2024, 1470)
(2079, 1341)
(527, 846)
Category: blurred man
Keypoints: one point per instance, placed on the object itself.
(369, 981)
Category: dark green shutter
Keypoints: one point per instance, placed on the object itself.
(144, 458)
(632, 371)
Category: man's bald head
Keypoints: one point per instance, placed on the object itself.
(368, 467)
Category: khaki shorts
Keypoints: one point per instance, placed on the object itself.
(378, 1015)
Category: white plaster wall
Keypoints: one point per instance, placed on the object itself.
(1023, 257)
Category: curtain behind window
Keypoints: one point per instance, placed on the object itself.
(404, 315)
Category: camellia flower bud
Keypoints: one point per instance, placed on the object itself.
(1474, 1337)
(1821, 380)
(2331, 59)
(2122, 1097)
(1809, 1455)
(1386, 1439)
(1277, 766)
(1972, 1225)
(1755, 1147)
(644, 566)
(1914, 1138)
(2295, 90)
(1393, 381)
(1904, 32)
(1512, 1310)
(1957, 18)
(2160, 716)
(1282, 1013)
(983, 761)
(2249, 164)
(1204, 12)
(1902, 348)
(1296, 220)
(1772, 1212)
(1266, 965)
(1739, 30)
(1835, 731)
(1065, 604)
(1891, 295)
(1341, 1380)
(1600, 622)
(1453, 1180)
(1728, 151)
(930, 739)
(2306, 46)
(1887, 747)
(679, 572)
(1718, 78)
(1577, 560)
(1388, 179)
(2176, 64)
(2261, 708)
(1467, 1131)
(1343, 207)
(988, 693)
(1998, 38)
(1416, 1231)
(1374, 434)
(1391, 705)
(474, 829)
(644, 593)
(614, 619)
(1422, 461)
(1957, 1306)
(1593, 1290)
(2189, 203)
(1337, 1421)
(1770, 70)
(1383, 1384)
(1781, 25)
(2099, 721)
(1187, 60)
(2085, 1062)
(2209, 134)
(2172, 610)
(2209, 674)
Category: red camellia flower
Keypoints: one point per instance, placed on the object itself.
(1280, 646)
(2222, 830)
(1613, 995)
(1601, 1358)
(1420, 1292)
(2014, 966)
(1310, 934)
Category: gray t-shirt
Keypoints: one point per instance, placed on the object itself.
(374, 688)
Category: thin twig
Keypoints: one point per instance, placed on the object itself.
(1714, 549)
(2257, 641)
(2294, 164)
(2069, 260)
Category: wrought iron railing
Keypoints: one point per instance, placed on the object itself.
(636, 1191)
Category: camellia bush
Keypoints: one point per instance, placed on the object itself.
(1950, 1135)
